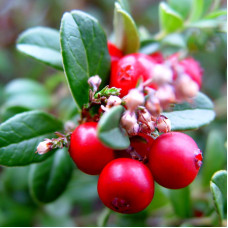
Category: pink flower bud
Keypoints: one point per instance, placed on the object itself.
(144, 116)
(162, 74)
(166, 95)
(153, 106)
(129, 122)
(133, 99)
(113, 101)
(94, 82)
(163, 124)
(147, 128)
(44, 147)
(185, 87)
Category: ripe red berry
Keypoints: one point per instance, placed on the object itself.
(157, 57)
(114, 52)
(190, 66)
(126, 186)
(129, 69)
(174, 160)
(88, 153)
(142, 145)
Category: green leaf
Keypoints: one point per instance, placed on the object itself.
(125, 5)
(42, 44)
(214, 157)
(126, 33)
(189, 116)
(181, 202)
(170, 20)
(27, 93)
(48, 180)
(215, 14)
(174, 39)
(109, 131)
(218, 187)
(149, 46)
(11, 111)
(197, 10)
(20, 135)
(205, 24)
(183, 8)
(84, 52)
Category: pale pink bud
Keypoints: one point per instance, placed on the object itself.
(69, 126)
(161, 74)
(144, 116)
(44, 147)
(94, 82)
(166, 95)
(133, 99)
(163, 124)
(129, 122)
(113, 101)
(147, 128)
(153, 106)
(186, 87)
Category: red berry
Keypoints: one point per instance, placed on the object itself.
(126, 186)
(114, 52)
(190, 66)
(88, 153)
(141, 143)
(174, 160)
(129, 69)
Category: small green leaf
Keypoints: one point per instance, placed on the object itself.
(205, 24)
(182, 8)
(20, 135)
(189, 116)
(181, 202)
(27, 93)
(149, 46)
(214, 157)
(42, 44)
(48, 180)
(126, 33)
(215, 14)
(84, 52)
(109, 131)
(170, 20)
(174, 39)
(218, 187)
(197, 10)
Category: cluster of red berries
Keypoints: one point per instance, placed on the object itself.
(173, 159)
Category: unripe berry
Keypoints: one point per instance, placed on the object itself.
(126, 186)
(174, 160)
(88, 153)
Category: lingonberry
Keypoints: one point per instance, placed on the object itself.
(88, 153)
(189, 66)
(174, 160)
(141, 144)
(157, 57)
(129, 69)
(114, 52)
(126, 186)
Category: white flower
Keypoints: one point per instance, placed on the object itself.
(163, 124)
(44, 147)
(161, 74)
(113, 101)
(129, 122)
(94, 82)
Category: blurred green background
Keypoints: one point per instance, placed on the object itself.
(80, 205)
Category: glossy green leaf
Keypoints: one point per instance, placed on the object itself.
(84, 52)
(218, 186)
(11, 111)
(48, 180)
(42, 44)
(20, 135)
(27, 93)
(126, 33)
(205, 24)
(214, 157)
(197, 10)
(189, 116)
(183, 8)
(174, 39)
(181, 202)
(170, 20)
(109, 131)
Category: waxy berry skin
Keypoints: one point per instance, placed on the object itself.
(129, 69)
(174, 160)
(88, 153)
(126, 186)
(114, 52)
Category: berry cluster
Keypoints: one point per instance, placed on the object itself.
(145, 85)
